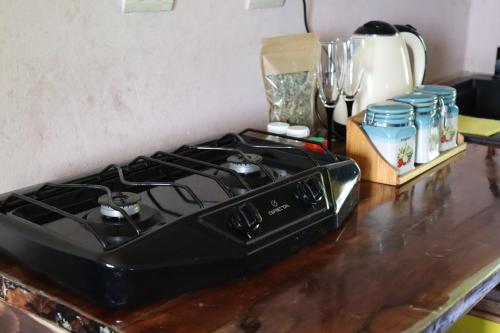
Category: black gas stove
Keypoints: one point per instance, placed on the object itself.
(172, 222)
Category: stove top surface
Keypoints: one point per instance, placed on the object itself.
(199, 215)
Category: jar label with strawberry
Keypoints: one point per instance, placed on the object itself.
(399, 153)
(448, 133)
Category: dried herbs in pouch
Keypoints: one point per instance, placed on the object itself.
(289, 71)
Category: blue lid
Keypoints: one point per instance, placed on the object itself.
(430, 109)
(394, 121)
(417, 99)
(389, 113)
(442, 91)
(408, 121)
(390, 116)
(389, 107)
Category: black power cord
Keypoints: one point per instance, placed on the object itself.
(306, 24)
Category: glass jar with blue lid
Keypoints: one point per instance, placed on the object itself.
(427, 122)
(449, 114)
(390, 127)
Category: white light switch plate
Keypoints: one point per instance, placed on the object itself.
(254, 4)
(130, 6)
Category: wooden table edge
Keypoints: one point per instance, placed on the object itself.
(461, 300)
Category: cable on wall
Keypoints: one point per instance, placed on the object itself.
(306, 24)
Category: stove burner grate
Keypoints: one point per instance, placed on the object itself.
(124, 207)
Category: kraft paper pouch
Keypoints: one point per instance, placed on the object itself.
(289, 72)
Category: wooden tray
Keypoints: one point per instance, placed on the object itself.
(374, 167)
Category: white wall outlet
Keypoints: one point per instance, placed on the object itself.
(254, 4)
(130, 6)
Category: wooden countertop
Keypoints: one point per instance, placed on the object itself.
(408, 259)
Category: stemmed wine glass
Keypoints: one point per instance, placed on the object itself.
(330, 73)
(353, 72)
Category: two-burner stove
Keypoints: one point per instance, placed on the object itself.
(172, 222)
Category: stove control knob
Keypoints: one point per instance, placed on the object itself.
(310, 191)
(245, 219)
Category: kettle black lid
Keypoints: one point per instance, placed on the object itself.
(376, 28)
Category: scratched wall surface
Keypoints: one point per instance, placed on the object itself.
(82, 85)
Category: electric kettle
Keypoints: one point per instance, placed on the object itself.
(387, 69)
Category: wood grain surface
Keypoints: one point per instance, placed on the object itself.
(411, 258)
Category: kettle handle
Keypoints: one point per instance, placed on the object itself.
(416, 44)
